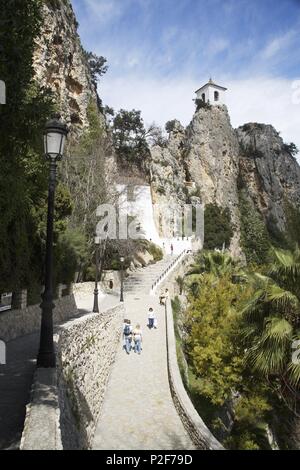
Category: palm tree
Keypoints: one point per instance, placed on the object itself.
(215, 262)
(272, 324)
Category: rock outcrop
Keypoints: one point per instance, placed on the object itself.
(200, 164)
(209, 162)
(60, 64)
(167, 177)
(268, 171)
(212, 159)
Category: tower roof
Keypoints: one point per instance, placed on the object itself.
(211, 83)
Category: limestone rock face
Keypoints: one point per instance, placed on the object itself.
(59, 63)
(167, 178)
(209, 162)
(205, 163)
(212, 162)
(268, 171)
(200, 164)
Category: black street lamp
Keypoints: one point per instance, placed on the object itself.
(122, 259)
(54, 140)
(96, 306)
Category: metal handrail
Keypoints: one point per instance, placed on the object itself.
(167, 269)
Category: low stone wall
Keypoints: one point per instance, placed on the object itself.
(66, 402)
(198, 431)
(86, 350)
(41, 429)
(15, 323)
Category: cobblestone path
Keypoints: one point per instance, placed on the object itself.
(138, 411)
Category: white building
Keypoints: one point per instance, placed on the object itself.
(212, 93)
(135, 202)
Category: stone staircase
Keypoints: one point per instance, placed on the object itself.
(142, 279)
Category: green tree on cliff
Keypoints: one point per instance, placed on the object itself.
(24, 171)
(130, 136)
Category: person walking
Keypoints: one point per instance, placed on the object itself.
(138, 338)
(127, 335)
(161, 297)
(167, 295)
(172, 248)
(151, 317)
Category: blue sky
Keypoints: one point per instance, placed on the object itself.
(160, 51)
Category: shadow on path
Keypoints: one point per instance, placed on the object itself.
(15, 385)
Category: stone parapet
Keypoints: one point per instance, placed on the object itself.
(41, 429)
(196, 428)
(66, 401)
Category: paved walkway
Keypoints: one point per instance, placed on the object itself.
(15, 384)
(17, 375)
(138, 411)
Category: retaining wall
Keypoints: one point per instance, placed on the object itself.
(198, 431)
(15, 323)
(66, 402)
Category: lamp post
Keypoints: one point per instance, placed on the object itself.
(122, 259)
(96, 306)
(54, 140)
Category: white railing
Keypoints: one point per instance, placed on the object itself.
(167, 271)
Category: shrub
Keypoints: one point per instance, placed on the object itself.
(217, 227)
(200, 104)
(291, 148)
(170, 125)
(155, 251)
(255, 239)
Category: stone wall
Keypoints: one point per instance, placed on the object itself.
(198, 431)
(15, 323)
(66, 402)
(86, 350)
(41, 428)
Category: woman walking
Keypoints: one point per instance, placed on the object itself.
(137, 337)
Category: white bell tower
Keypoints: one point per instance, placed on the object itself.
(212, 93)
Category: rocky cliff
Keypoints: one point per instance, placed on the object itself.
(268, 171)
(212, 158)
(167, 176)
(60, 64)
(209, 162)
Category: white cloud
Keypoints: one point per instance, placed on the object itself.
(278, 44)
(266, 100)
(216, 46)
(260, 99)
(106, 10)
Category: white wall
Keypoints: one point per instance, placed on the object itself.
(209, 95)
(142, 210)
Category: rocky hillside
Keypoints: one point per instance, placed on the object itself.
(268, 171)
(60, 64)
(167, 176)
(209, 161)
(212, 156)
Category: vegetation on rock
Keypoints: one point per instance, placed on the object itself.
(236, 335)
(217, 227)
(24, 171)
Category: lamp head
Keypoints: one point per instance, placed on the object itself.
(54, 139)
